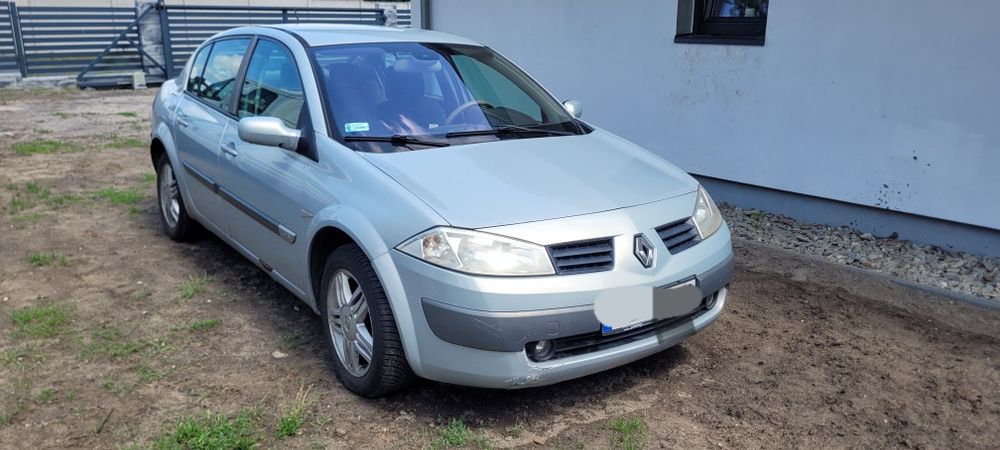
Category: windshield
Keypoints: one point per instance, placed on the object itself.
(432, 93)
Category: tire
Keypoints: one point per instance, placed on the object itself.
(173, 214)
(387, 370)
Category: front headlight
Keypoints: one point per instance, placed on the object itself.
(706, 215)
(478, 253)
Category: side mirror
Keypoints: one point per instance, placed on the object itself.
(269, 131)
(574, 107)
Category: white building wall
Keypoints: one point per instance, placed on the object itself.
(888, 103)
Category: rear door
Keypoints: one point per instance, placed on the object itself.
(266, 186)
(202, 116)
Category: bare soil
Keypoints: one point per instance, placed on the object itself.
(807, 353)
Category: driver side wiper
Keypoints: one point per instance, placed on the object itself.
(507, 129)
(397, 140)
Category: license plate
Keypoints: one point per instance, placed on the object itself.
(646, 305)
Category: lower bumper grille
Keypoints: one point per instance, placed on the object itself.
(593, 342)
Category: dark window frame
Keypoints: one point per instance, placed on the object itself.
(210, 45)
(704, 28)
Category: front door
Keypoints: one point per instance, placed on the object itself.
(265, 185)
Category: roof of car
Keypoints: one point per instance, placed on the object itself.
(328, 34)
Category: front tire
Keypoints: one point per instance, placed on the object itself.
(359, 327)
(173, 214)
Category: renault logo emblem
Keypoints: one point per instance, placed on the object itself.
(644, 251)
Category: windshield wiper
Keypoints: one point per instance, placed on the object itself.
(397, 140)
(507, 129)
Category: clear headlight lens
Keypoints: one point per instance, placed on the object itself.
(478, 253)
(706, 215)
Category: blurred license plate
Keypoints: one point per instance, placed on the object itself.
(674, 301)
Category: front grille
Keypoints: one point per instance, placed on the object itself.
(580, 344)
(679, 236)
(595, 255)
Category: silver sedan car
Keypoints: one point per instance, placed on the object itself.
(440, 210)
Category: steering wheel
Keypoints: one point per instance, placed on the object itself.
(464, 106)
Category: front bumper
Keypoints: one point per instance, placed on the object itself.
(472, 330)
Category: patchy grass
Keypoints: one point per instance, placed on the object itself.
(210, 432)
(194, 286)
(62, 114)
(149, 177)
(291, 340)
(42, 131)
(128, 196)
(126, 114)
(43, 259)
(8, 417)
(25, 218)
(16, 357)
(46, 395)
(33, 195)
(42, 147)
(146, 374)
(142, 294)
(40, 321)
(113, 387)
(627, 434)
(125, 142)
(291, 421)
(457, 434)
(112, 342)
(199, 325)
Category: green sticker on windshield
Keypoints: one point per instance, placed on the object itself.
(354, 127)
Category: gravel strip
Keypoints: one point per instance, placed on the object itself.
(958, 271)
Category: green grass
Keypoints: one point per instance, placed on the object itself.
(112, 342)
(128, 196)
(46, 395)
(457, 434)
(627, 434)
(128, 142)
(145, 373)
(42, 146)
(16, 357)
(40, 321)
(292, 340)
(62, 115)
(126, 114)
(43, 259)
(199, 325)
(42, 131)
(32, 195)
(142, 294)
(148, 177)
(25, 218)
(290, 423)
(194, 286)
(8, 417)
(113, 387)
(66, 199)
(210, 432)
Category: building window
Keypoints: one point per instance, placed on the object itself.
(740, 22)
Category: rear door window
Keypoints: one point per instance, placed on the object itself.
(216, 86)
(195, 80)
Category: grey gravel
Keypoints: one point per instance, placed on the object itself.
(927, 264)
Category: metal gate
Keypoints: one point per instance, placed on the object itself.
(103, 46)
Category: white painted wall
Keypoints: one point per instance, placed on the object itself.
(889, 103)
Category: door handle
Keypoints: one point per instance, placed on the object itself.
(229, 148)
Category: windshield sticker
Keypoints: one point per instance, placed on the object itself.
(354, 127)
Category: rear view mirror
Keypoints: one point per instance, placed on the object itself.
(269, 131)
(574, 107)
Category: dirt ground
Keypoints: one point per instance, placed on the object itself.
(807, 353)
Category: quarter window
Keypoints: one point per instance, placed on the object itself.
(195, 79)
(722, 21)
(216, 83)
(272, 86)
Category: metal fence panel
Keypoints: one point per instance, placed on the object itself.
(61, 40)
(8, 41)
(192, 25)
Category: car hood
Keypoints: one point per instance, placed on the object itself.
(525, 180)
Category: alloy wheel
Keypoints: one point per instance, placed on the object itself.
(350, 324)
